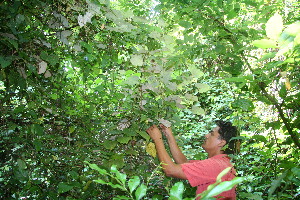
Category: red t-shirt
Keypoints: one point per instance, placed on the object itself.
(202, 173)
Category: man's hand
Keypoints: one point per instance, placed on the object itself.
(166, 130)
(154, 132)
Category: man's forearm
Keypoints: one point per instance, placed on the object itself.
(177, 154)
(170, 168)
(163, 156)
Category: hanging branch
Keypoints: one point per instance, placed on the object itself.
(281, 114)
(273, 100)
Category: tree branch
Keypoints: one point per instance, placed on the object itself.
(278, 107)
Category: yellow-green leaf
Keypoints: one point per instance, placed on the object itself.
(274, 27)
(264, 43)
(202, 87)
(150, 149)
(137, 60)
(198, 110)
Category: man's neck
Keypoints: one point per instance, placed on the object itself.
(212, 154)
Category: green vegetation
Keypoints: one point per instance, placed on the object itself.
(80, 81)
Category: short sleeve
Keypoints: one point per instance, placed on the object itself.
(198, 172)
(204, 172)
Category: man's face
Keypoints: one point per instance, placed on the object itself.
(212, 140)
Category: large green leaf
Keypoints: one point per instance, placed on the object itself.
(176, 191)
(120, 176)
(198, 110)
(4, 62)
(133, 183)
(274, 27)
(202, 87)
(64, 187)
(140, 192)
(224, 186)
(137, 60)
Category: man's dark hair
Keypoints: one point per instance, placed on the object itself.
(228, 132)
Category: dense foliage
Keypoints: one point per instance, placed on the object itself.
(80, 81)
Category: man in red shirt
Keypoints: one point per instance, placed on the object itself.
(200, 173)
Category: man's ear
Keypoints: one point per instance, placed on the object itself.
(222, 143)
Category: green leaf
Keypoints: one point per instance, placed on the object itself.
(231, 14)
(274, 27)
(120, 176)
(64, 187)
(137, 60)
(196, 73)
(88, 47)
(74, 174)
(243, 104)
(198, 110)
(223, 173)
(37, 145)
(100, 181)
(250, 196)
(293, 29)
(224, 186)
(140, 192)
(159, 197)
(54, 96)
(124, 140)
(238, 138)
(276, 183)
(51, 59)
(202, 87)
(116, 186)
(297, 40)
(185, 24)
(133, 183)
(264, 43)
(121, 197)
(110, 145)
(267, 56)
(176, 191)
(132, 80)
(95, 167)
(144, 135)
(242, 79)
(14, 43)
(21, 164)
(288, 36)
(260, 138)
(131, 152)
(37, 129)
(4, 61)
(283, 91)
(274, 125)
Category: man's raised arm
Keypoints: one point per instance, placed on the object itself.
(176, 152)
(170, 168)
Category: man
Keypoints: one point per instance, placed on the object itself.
(200, 173)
